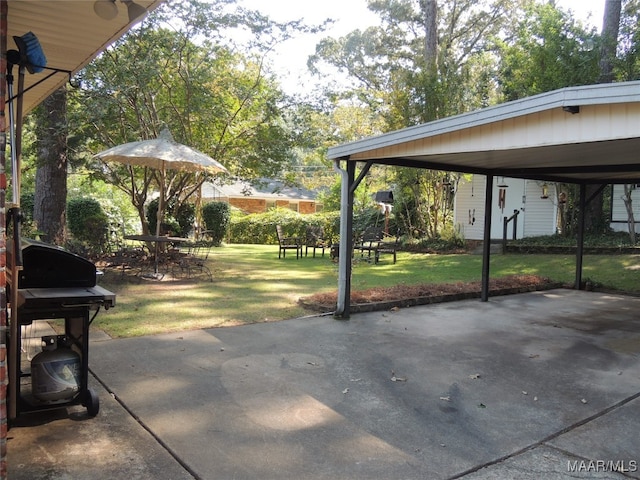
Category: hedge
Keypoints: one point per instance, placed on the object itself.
(260, 228)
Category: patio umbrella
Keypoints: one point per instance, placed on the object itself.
(162, 153)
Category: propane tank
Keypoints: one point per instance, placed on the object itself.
(55, 372)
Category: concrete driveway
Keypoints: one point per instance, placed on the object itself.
(529, 386)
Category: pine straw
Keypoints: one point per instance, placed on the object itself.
(406, 292)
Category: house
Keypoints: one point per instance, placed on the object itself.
(264, 195)
(534, 200)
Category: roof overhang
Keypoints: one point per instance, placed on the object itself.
(70, 34)
(588, 134)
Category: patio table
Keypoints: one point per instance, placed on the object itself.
(156, 240)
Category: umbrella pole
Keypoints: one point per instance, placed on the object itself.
(159, 215)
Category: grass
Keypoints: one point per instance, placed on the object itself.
(252, 285)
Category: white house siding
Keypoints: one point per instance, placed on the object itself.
(537, 216)
(469, 208)
(541, 214)
(619, 211)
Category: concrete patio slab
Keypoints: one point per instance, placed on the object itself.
(536, 385)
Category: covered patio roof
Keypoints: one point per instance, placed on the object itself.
(71, 35)
(588, 134)
(582, 135)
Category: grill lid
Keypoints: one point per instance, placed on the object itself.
(50, 266)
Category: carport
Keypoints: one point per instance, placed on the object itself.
(581, 135)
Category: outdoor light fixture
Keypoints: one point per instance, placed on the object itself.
(108, 10)
(545, 191)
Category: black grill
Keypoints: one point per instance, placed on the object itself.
(52, 283)
(49, 266)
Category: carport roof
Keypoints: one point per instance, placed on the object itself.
(588, 134)
(70, 34)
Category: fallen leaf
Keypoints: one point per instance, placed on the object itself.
(398, 379)
(583, 401)
(446, 399)
(474, 376)
(394, 309)
(535, 399)
(482, 405)
(312, 363)
(524, 393)
(355, 379)
(534, 355)
(345, 391)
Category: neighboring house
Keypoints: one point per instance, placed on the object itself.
(262, 197)
(619, 216)
(537, 214)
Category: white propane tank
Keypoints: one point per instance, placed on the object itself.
(55, 372)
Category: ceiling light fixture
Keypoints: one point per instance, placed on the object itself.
(108, 10)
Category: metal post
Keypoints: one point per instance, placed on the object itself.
(346, 240)
(580, 250)
(486, 248)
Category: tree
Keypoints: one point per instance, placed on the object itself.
(211, 97)
(552, 50)
(427, 60)
(51, 174)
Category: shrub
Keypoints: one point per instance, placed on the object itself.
(216, 217)
(88, 223)
(260, 228)
(176, 220)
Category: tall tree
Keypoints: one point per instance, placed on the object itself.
(427, 60)
(211, 96)
(594, 211)
(51, 174)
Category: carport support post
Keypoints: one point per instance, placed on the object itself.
(580, 250)
(346, 239)
(486, 247)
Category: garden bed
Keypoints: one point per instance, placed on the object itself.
(401, 296)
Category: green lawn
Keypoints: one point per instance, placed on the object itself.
(252, 285)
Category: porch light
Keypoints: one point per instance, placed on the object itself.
(545, 191)
(108, 10)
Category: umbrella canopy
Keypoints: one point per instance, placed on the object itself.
(162, 153)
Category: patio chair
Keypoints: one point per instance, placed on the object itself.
(388, 245)
(368, 242)
(374, 241)
(194, 261)
(314, 239)
(287, 243)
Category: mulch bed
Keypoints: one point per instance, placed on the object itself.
(409, 295)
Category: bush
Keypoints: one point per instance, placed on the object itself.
(88, 223)
(216, 217)
(260, 228)
(177, 221)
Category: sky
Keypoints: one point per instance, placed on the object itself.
(291, 58)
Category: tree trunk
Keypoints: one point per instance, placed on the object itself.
(594, 215)
(610, 30)
(430, 12)
(631, 221)
(49, 211)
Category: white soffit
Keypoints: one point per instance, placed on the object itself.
(70, 34)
